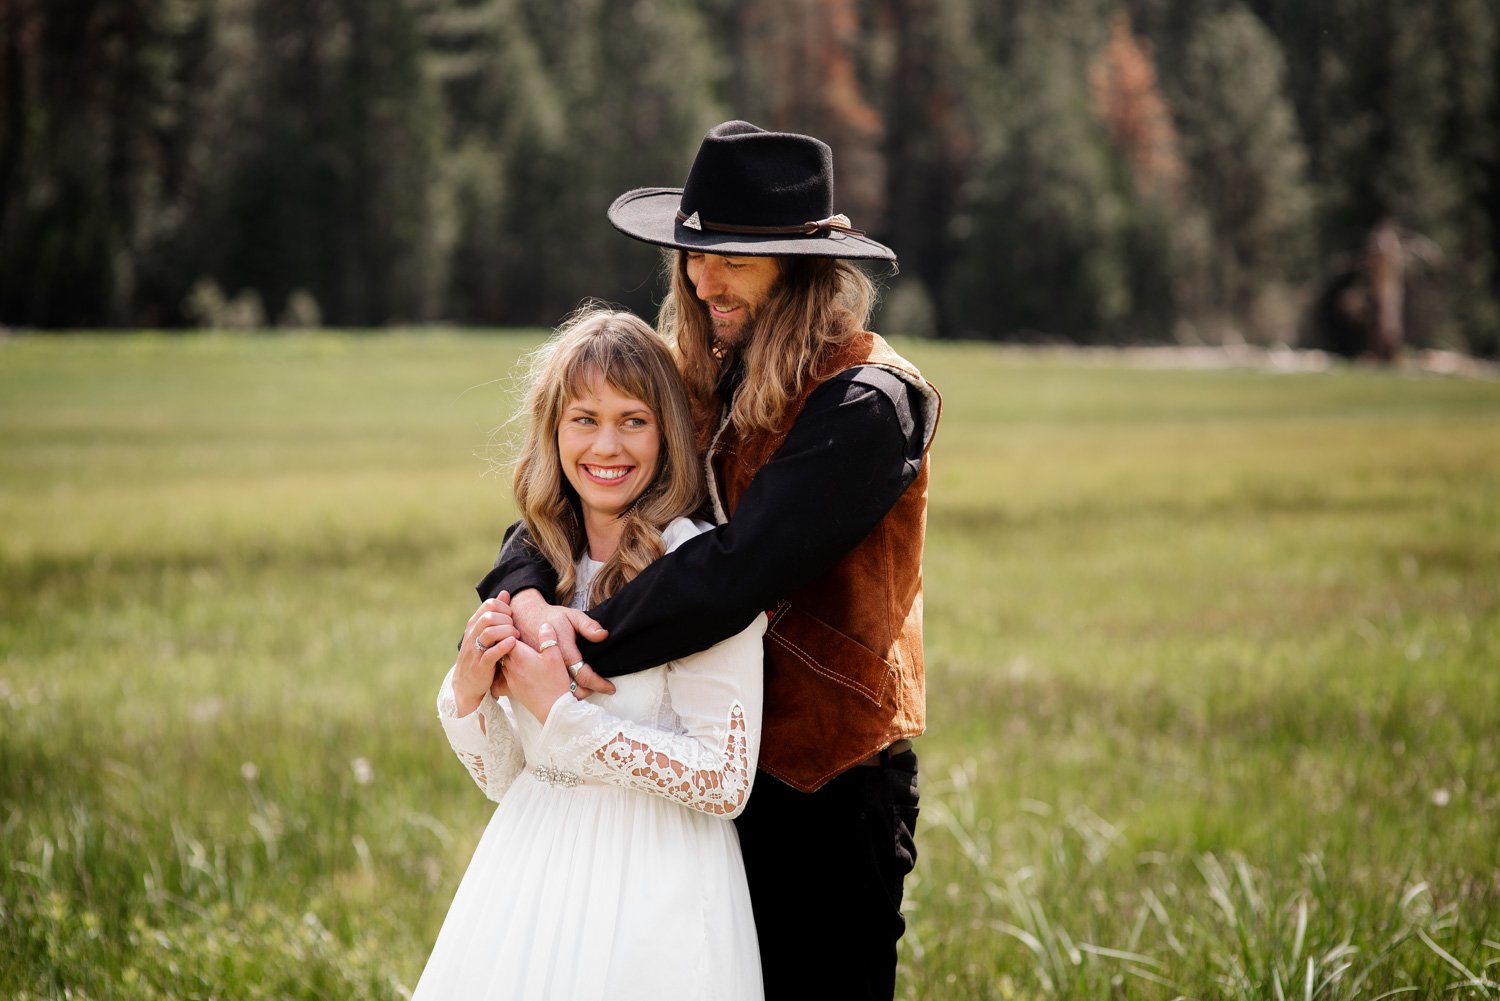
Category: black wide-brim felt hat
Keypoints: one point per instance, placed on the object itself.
(751, 193)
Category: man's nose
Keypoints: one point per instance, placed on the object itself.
(709, 283)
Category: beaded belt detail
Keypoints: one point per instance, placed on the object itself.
(556, 776)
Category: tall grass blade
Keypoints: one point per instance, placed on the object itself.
(1474, 980)
(1301, 933)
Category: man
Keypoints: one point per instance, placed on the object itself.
(817, 435)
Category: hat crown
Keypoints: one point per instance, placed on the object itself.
(746, 176)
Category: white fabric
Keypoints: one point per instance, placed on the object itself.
(610, 869)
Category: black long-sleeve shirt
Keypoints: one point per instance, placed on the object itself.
(856, 445)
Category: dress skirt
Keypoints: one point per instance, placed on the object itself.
(580, 890)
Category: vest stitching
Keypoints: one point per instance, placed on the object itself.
(875, 696)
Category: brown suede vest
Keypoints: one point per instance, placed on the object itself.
(843, 654)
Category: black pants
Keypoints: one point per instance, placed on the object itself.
(825, 871)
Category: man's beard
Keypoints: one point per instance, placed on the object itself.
(732, 333)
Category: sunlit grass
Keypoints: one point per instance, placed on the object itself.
(1213, 688)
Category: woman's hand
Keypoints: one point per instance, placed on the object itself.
(530, 611)
(488, 638)
(537, 678)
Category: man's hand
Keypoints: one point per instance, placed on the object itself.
(530, 611)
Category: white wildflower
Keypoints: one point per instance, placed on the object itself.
(364, 772)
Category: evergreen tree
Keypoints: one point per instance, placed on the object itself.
(96, 151)
(1246, 168)
(331, 171)
(1043, 221)
(632, 91)
(1398, 101)
(1123, 79)
(1435, 79)
(1128, 100)
(497, 95)
(922, 55)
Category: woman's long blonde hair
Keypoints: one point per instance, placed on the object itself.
(816, 304)
(636, 362)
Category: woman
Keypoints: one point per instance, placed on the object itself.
(610, 868)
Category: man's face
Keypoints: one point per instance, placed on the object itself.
(733, 289)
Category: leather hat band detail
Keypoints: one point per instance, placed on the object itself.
(826, 227)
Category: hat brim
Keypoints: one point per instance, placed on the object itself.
(650, 215)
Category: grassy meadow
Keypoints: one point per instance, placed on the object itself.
(1213, 660)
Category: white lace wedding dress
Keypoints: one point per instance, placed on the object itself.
(611, 868)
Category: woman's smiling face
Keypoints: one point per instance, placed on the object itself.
(609, 445)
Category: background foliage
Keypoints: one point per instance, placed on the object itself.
(1093, 170)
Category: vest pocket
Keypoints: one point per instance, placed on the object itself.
(799, 641)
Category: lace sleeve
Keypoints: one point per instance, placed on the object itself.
(490, 752)
(707, 763)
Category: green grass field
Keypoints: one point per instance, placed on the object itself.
(1214, 672)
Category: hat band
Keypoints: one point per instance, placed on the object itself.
(834, 223)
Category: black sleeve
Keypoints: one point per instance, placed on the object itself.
(519, 566)
(856, 446)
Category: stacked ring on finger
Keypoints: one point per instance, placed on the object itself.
(479, 645)
(573, 669)
(547, 645)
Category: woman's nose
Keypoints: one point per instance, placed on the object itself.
(607, 441)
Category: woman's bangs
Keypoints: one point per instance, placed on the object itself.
(620, 367)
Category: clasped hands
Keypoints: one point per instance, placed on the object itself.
(523, 647)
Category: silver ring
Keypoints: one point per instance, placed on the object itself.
(572, 688)
(573, 670)
(547, 645)
(479, 644)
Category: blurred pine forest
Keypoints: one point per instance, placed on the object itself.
(1096, 171)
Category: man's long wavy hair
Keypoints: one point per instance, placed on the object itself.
(633, 359)
(817, 303)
